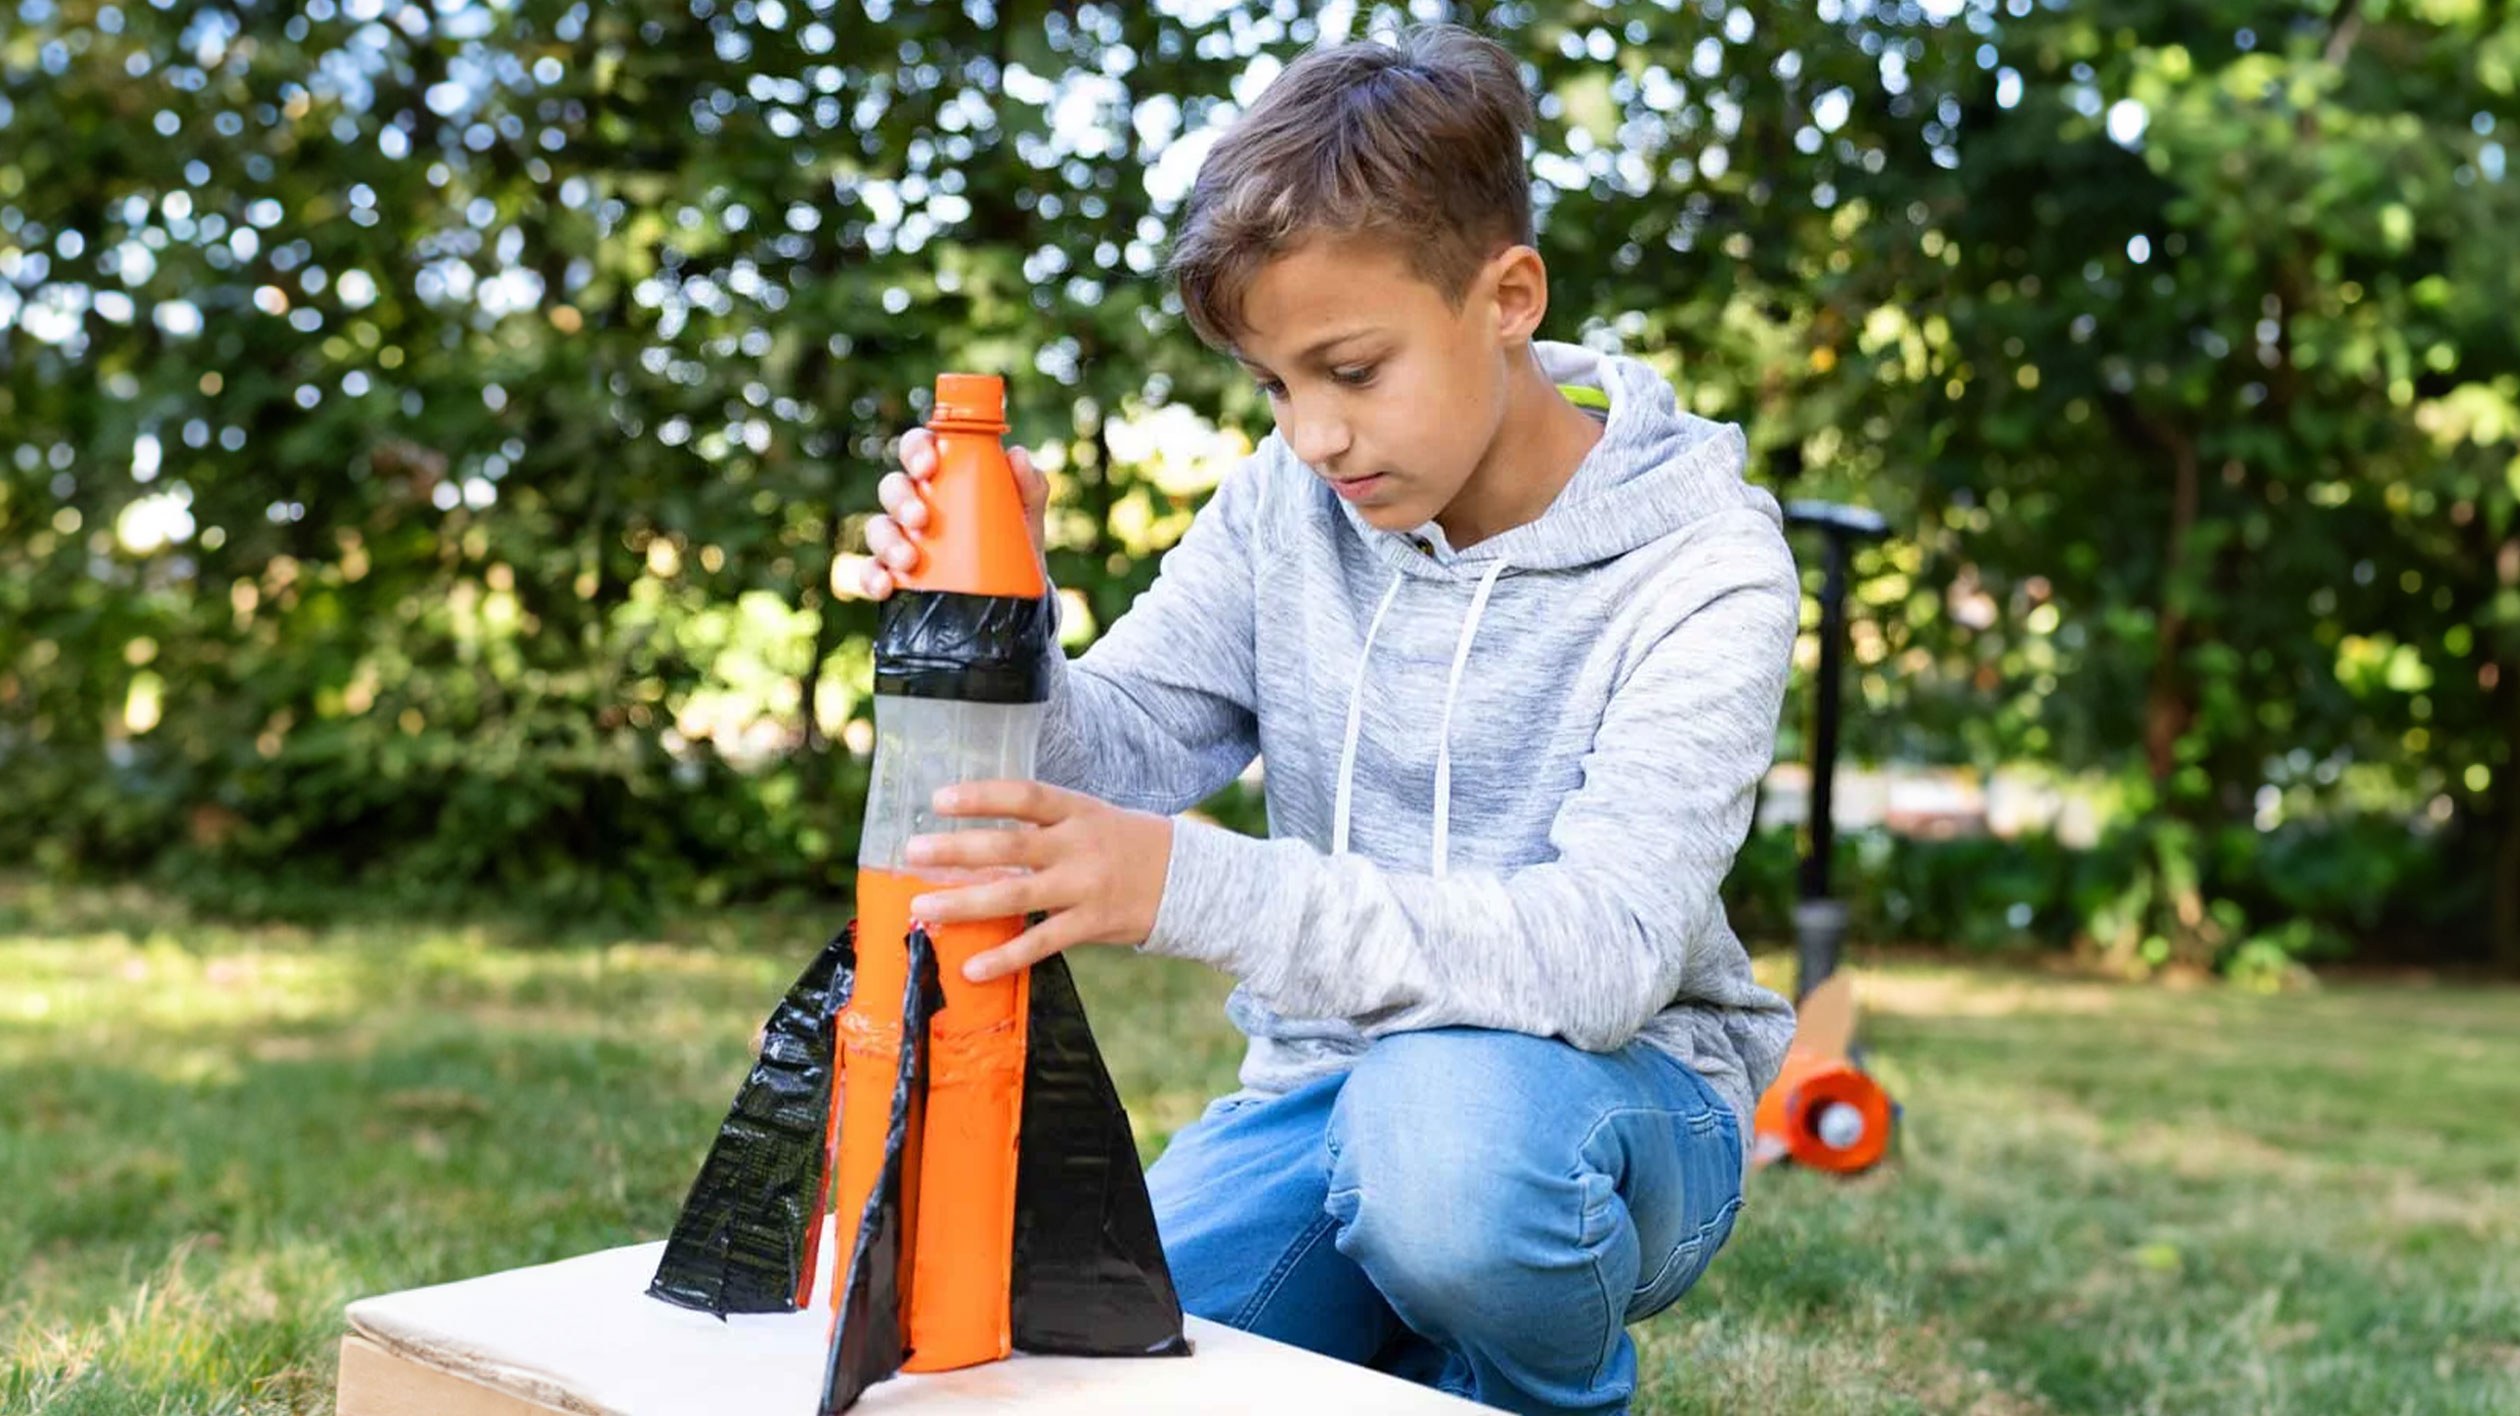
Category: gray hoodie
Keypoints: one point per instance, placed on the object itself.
(1504, 784)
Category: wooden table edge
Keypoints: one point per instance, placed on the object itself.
(376, 1381)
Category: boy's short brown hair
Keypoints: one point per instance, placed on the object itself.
(1419, 140)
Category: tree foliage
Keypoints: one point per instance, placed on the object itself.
(430, 428)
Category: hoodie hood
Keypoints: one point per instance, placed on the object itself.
(1505, 784)
(1655, 470)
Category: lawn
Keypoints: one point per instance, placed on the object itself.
(2107, 1198)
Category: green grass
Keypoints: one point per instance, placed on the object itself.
(2107, 1199)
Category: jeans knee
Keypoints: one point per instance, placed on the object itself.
(1431, 1245)
(1439, 1192)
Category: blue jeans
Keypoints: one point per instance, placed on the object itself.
(1479, 1211)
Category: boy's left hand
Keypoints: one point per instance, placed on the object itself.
(1096, 870)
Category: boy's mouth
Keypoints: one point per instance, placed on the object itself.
(1357, 488)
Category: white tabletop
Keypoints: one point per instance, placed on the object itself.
(582, 1335)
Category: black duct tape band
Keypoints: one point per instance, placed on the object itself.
(972, 648)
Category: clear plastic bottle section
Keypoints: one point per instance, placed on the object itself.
(924, 744)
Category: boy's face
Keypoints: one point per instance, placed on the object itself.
(1378, 384)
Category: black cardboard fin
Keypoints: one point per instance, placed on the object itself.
(872, 1337)
(1090, 1278)
(740, 1244)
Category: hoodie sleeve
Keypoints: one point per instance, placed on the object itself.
(1160, 712)
(1591, 944)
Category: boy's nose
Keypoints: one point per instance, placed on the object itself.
(1316, 440)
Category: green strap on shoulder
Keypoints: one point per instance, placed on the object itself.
(1583, 397)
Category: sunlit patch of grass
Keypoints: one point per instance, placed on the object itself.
(2106, 1198)
(2128, 1199)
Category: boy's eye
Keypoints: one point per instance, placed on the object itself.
(1356, 376)
(1271, 387)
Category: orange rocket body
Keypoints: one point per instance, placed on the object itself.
(977, 568)
(962, 1203)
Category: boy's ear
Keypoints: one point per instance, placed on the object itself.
(1521, 292)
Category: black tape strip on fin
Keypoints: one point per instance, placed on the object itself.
(740, 1244)
(1090, 1278)
(872, 1340)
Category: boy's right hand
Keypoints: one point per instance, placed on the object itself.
(892, 539)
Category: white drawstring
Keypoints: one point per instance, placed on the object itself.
(1443, 739)
(1355, 721)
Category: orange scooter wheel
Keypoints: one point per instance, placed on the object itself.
(1817, 1115)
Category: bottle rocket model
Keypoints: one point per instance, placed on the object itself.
(988, 1190)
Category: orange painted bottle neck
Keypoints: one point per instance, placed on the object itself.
(976, 541)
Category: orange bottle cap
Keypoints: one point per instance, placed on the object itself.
(973, 400)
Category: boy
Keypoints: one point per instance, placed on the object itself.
(1515, 668)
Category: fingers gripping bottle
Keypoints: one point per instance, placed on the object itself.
(960, 680)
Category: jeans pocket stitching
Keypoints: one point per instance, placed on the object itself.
(1682, 1255)
(1691, 1256)
(1295, 1252)
(1614, 1324)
